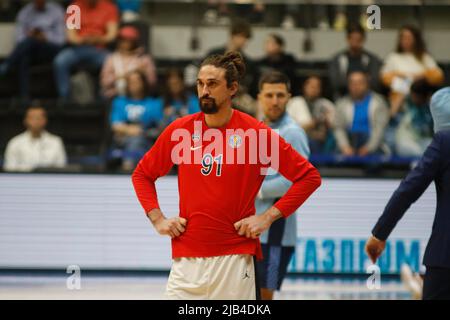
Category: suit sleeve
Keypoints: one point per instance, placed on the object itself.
(304, 177)
(156, 163)
(410, 189)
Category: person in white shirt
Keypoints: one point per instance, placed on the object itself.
(315, 114)
(35, 147)
(410, 63)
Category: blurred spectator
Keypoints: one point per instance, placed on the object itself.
(315, 115)
(415, 130)
(99, 24)
(178, 101)
(240, 33)
(245, 103)
(408, 64)
(128, 57)
(129, 9)
(217, 13)
(361, 118)
(34, 148)
(353, 58)
(277, 59)
(135, 120)
(40, 34)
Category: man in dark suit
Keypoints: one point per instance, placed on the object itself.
(434, 166)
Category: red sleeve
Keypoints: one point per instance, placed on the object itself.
(113, 13)
(304, 176)
(156, 163)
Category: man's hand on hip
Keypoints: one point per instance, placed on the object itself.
(173, 227)
(253, 226)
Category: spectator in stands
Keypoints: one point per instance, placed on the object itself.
(34, 148)
(246, 103)
(135, 120)
(178, 101)
(99, 25)
(128, 57)
(277, 59)
(40, 35)
(315, 114)
(415, 130)
(361, 118)
(353, 58)
(408, 64)
(129, 9)
(240, 34)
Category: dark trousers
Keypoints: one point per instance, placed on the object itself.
(27, 52)
(436, 284)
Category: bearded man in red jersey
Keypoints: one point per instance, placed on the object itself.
(215, 237)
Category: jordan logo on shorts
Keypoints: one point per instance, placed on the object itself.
(246, 275)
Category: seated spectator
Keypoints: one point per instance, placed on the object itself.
(129, 9)
(277, 59)
(178, 101)
(353, 58)
(128, 57)
(135, 120)
(99, 24)
(244, 102)
(314, 114)
(408, 64)
(40, 35)
(361, 118)
(415, 130)
(35, 148)
(240, 34)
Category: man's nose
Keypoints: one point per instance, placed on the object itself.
(205, 91)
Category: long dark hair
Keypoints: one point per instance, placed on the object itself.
(419, 48)
(167, 96)
(232, 62)
(145, 85)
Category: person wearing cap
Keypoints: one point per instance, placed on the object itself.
(433, 166)
(128, 57)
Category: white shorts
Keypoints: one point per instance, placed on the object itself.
(230, 277)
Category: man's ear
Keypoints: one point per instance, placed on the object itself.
(234, 88)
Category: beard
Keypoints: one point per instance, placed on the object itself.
(208, 105)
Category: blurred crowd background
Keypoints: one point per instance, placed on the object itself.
(95, 99)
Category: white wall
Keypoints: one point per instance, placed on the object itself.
(95, 221)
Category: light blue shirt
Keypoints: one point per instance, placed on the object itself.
(51, 21)
(275, 186)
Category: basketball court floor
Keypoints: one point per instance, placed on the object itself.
(151, 287)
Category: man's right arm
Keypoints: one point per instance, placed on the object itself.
(156, 163)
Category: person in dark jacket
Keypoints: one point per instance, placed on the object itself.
(239, 36)
(353, 58)
(433, 166)
(277, 59)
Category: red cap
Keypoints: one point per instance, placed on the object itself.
(129, 33)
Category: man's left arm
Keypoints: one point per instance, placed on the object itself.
(276, 186)
(305, 180)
